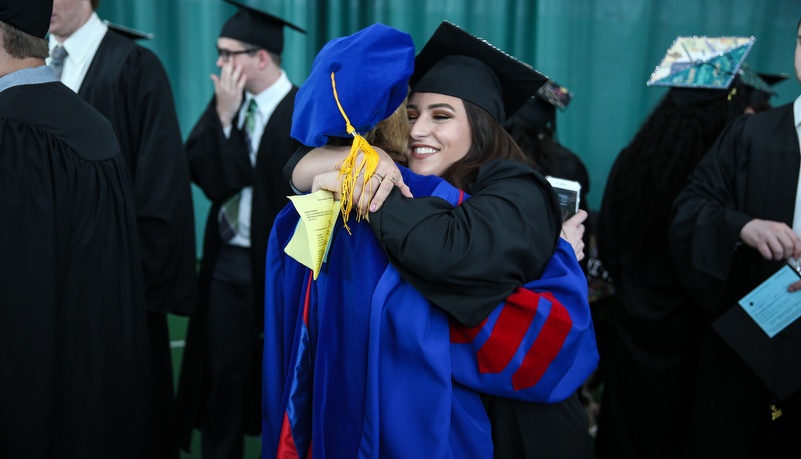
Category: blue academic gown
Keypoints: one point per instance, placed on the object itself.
(358, 363)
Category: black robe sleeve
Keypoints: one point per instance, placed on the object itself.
(467, 259)
(750, 172)
(220, 166)
(706, 223)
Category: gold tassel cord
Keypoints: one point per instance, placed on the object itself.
(349, 170)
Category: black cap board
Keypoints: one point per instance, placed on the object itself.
(257, 28)
(456, 63)
(29, 16)
(128, 32)
(774, 360)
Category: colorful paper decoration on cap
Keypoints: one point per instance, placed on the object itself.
(702, 62)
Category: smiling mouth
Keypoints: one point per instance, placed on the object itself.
(424, 150)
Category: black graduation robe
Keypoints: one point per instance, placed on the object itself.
(651, 346)
(72, 307)
(221, 167)
(467, 260)
(750, 172)
(129, 86)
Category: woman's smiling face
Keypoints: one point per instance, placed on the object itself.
(439, 132)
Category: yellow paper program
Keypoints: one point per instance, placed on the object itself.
(318, 215)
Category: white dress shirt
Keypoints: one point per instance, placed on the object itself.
(797, 212)
(81, 48)
(266, 101)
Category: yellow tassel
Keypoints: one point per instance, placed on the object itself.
(349, 171)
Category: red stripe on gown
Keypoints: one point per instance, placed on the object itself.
(306, 302)
(286, 444)
(546, 346)
(513, 322)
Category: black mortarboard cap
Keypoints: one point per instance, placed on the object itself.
(29, 16)
(760, 85)
(456, 63)
(774, 360)
(257, 28)
(128, 32)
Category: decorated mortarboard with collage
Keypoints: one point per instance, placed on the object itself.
(702, 62)
(555, 94)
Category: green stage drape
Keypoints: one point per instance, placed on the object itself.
(602, 50)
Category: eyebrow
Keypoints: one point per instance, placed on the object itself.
(432, 106)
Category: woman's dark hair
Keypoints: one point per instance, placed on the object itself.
(536, 142)
(489, 142)
(653, 168)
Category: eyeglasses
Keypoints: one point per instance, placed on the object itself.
(226, 55)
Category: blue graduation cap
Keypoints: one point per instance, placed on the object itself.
(369, 71)
(355, 82)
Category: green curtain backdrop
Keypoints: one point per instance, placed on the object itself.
(602, 50)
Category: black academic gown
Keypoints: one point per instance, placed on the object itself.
(652, 346)
(750, 172)
(221, 167)
(129, 86)
(72, 309)
(467, 260)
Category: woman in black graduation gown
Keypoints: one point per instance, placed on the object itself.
(468, 259)
(652, 348)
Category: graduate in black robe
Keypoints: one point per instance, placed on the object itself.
(72, 306)
(751, 172)
(220, 384)
(128, 85)
(651, 348)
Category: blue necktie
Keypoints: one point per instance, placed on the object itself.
(57, 60)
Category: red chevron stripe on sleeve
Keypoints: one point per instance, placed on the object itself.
(545, 347)
(513, 322)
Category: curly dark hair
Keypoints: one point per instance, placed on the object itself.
(653, 168)
(490, 141)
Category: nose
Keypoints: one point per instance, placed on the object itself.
(419, 129)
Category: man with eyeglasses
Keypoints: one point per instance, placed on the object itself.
(237, 151)
(128, 85)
